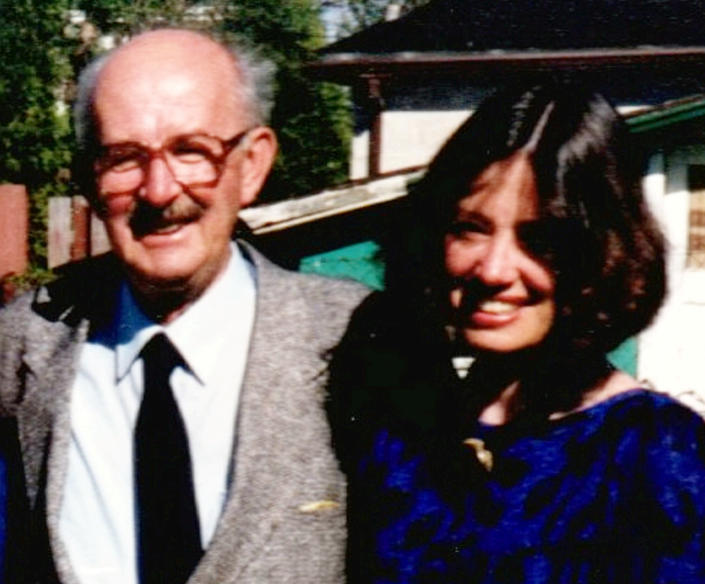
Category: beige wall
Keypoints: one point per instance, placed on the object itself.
(671, 351)
(409, 139)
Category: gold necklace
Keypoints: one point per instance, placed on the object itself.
(483, 454)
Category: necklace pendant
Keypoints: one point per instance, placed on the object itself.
(484, 456)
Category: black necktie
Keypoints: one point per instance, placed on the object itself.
(169, 542)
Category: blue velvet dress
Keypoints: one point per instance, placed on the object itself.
(612, 494)
(14, 515)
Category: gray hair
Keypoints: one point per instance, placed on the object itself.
(256, 83)
(254, 88)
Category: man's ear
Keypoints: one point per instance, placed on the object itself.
(261, 148)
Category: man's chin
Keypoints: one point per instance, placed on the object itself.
(163, 267)
(172, 275)
(173, 284)
(160, 274)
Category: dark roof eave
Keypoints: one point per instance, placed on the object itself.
(347, 67)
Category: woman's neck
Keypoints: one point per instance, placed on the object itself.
(495, 382)
(503, 408)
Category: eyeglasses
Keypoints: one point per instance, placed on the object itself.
(194, 160)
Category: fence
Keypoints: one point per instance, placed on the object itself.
(14, 226)
(74, 231)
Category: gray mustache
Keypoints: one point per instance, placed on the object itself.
(146, 218)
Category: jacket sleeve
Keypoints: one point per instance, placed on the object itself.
(14, 320)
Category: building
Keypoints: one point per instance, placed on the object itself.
(415, 79)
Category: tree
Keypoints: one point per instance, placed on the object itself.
(35, 136)
(313, 121)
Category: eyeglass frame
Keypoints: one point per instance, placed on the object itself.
(228, 145)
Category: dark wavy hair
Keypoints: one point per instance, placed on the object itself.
(600, 240)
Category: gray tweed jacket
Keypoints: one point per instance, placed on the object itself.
(284, 519)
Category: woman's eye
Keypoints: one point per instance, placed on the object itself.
(546, 238)
(467, 229)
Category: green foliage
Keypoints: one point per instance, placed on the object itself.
(312, 121)
(33, 277)
(35, 136)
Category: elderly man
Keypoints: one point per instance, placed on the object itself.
(169, 396)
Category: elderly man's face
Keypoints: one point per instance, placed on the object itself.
(168, 219)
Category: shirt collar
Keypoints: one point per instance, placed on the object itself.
(201, 331)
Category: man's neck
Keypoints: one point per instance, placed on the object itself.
(165, 302)
(164, 308)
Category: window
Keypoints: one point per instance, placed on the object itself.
(696, 219)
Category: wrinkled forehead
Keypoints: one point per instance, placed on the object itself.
(167, 84)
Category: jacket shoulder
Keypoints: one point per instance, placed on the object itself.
(319, 291)
(39, 322)
(336, 292)
(325, 304)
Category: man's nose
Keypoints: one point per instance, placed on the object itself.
(160, 187)
(499, 263)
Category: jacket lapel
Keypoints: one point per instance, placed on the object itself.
(66, 310)
(266, 426)
(47, 390)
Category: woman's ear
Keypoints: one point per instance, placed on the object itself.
(261, 149)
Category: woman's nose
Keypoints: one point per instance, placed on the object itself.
(499, 262)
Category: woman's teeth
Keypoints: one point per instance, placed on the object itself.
(496, 306)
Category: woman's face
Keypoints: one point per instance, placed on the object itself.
(501, 297)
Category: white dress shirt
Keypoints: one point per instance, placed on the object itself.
(97, 522)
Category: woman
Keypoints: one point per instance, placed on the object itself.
(527, 246)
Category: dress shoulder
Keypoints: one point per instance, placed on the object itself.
(652, 436)
(667, 436)
(656, 419)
